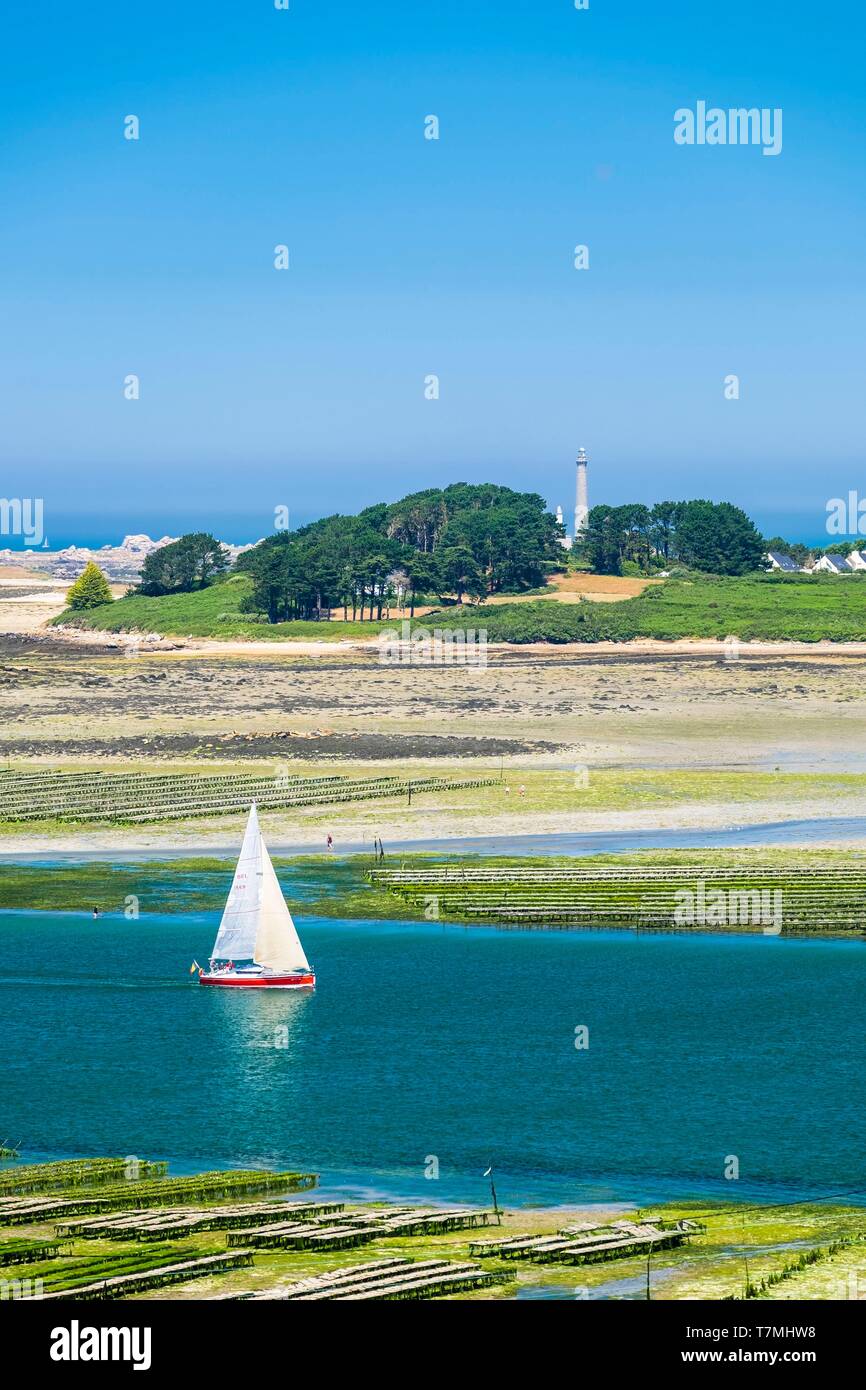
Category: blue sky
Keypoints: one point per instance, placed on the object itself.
(410, 257)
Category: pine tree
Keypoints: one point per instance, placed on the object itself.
(90, 588)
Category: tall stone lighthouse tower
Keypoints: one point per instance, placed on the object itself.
(581, 509)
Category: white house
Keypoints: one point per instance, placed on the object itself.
(778, 561)
(857, 559)
(833, 564)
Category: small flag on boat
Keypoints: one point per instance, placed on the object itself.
(194, 967)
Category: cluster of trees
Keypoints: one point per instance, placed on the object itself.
(715, 537)
(465, 539)
(190, 563)
(510, 535)
(343, 561)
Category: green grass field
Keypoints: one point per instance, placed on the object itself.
(758, 607)
(799, 608)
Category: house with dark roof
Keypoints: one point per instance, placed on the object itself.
(833, 564)
(778, 561)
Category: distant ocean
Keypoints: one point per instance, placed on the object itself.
(63, 530)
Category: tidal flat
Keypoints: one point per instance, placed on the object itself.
(357, 886)
(580, 742)
(772, 1253)
(619, 708)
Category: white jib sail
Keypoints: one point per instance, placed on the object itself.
(278, 946)
(256, 924)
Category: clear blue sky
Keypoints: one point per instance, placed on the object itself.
(409, 257)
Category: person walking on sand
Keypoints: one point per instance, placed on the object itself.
(330, 842)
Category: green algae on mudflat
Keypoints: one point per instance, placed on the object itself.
(338, 887)
(741, 1242)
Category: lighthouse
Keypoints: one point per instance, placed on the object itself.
(581, 507)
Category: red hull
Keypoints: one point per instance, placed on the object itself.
(229, 981)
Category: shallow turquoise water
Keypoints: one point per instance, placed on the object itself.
(424, 1040)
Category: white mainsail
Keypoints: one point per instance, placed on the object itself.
(256, 924)
(236, 938)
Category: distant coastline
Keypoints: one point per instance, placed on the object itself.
(118, 561)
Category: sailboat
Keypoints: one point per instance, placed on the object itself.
(257, 945)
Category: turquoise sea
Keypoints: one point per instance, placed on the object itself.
(427, 1042)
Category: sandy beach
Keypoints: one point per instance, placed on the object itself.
(237, 646)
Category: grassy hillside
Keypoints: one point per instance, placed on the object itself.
(796, 608)
(213, 612)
